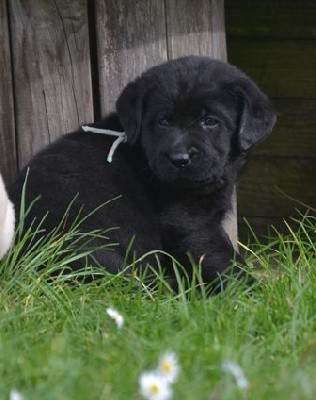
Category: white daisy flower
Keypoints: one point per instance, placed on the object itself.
(169, 367)
(235, 370)
(15, 395)
(153, 386)
(118, 318)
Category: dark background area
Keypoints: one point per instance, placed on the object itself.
(274, 42)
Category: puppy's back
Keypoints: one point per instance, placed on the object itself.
(74, 170)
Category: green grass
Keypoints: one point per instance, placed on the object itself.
(57, 341)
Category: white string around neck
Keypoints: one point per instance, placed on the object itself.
(120, 138)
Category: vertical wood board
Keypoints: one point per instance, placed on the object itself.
(130, 38)
(219, 47)
(50, 45)
(8, 161)
(197, 29)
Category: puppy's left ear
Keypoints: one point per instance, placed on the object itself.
(256, 115)
(129, 108)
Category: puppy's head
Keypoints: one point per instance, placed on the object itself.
(193, 117)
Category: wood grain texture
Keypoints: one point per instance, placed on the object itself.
(283, 68)
(198, 30)
(219, 47)
(271, 19)
(51, 71)
(295, 131)
(258, 193)
(8, 161)
(131, 37)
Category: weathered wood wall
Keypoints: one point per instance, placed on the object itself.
(51, 70)
(275, 43)
(8, 156)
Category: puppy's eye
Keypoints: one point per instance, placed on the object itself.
(164, 121)
(210, 122)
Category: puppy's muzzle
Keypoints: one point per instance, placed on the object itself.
(182, 158)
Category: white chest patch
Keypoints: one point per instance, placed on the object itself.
(229, 223)
(7, 219)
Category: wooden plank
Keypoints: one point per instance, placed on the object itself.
(283, 68)
(131, 37)
(258, 193)
(270, 18)
(8, 161)
(294, 134)
(218, 35)
(52, 78)
(198, 31)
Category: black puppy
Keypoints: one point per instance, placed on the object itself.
(189, 125)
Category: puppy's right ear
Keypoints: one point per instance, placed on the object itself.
(129, 108)
(257, 117)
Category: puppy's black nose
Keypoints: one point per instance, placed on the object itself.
(179, 159)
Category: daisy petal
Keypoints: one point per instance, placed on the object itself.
(235, 370)
(169, 367)
(153, 386)
(15, 395)
(116, 316)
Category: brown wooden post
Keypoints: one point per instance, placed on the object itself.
(52, 76)
(8, 161)
(131, 37)
(196, 28)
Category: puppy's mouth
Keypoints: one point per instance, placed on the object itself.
(182, 179)
(192, 181)
(196, 174)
